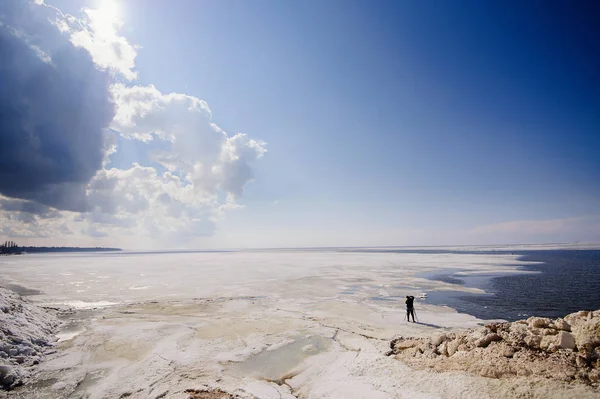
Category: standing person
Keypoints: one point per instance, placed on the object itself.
(410, 310)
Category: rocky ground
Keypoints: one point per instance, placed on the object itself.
(209, 394)
(565, 349)
(26, 332)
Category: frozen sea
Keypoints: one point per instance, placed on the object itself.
(85, 280)
(512, 283)
(281, 323)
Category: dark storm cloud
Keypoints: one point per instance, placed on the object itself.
(54, 105)
(12, 205)
(28, 209)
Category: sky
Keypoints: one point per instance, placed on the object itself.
(236, 124)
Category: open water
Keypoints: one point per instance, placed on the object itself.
(563, 282)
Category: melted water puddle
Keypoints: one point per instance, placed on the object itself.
(276, 364)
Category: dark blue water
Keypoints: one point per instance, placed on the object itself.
(566, 281)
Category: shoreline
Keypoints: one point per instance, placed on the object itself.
(565, 349)
(27, 331)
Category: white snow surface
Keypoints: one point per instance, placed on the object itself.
(26, 331)
(259, 324)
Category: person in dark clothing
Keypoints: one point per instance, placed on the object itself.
(410, 310)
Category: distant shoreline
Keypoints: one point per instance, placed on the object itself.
(38, 250)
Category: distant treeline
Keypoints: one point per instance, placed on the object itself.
(11, 248)
(66, 249)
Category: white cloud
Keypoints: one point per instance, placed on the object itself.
(140, 199)
(98, 33)
(110, 147)
(27, 219)
(201, 151)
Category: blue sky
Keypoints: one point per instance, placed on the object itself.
(388, 122)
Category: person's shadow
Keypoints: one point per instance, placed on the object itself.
(429, 324)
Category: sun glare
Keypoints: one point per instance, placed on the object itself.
(109, 10)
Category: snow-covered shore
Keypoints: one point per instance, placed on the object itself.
(254, 325)
(26, 332)
(265, 349)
